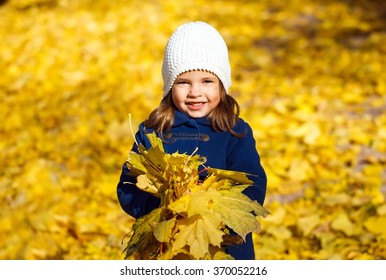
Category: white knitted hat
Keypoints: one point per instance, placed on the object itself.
(195, 46)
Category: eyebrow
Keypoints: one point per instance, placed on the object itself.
(209, 77)
(203, 78)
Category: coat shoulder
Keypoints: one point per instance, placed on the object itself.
(241, 126)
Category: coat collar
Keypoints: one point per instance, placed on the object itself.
(183, 119)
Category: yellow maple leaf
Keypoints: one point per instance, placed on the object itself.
(376, 225)
(163, 230)
(198, 232)
(308, 223)
(144, 183)
(343, 223)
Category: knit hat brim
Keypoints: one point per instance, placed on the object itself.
(195, 66)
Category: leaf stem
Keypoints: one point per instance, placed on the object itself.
(131, 130)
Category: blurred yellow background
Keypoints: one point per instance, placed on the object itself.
(309, 76)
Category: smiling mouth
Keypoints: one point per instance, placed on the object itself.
(195, 105)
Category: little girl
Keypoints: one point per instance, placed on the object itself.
(197, 112)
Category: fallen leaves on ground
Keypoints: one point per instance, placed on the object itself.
(310, 79)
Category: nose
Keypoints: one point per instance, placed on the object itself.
(195, 90)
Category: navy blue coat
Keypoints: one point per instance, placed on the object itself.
(222, 150)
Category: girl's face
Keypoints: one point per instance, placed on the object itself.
(196, 93)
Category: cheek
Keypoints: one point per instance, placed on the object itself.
(216, 97)
(216, 102)
(176, 98)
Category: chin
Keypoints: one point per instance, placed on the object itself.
(196, 115)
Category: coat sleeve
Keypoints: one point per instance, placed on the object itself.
(244, 157)
(134, 201)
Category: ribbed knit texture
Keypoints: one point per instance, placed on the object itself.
(195, 46)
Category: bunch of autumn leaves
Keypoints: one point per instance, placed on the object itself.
(196, 218)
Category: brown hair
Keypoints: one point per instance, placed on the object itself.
(223, 118)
